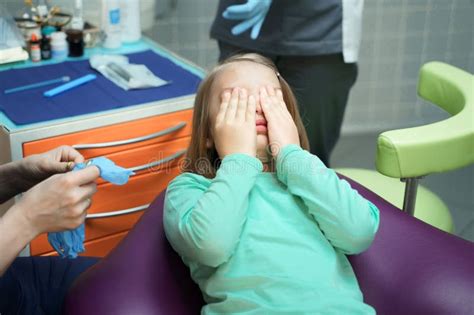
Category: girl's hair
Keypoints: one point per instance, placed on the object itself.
(205, 161)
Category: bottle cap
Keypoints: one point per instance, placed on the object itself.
(74, 35)
(58, 36)
(48, 30)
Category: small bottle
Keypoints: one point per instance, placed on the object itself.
(59, 46)
(45, 48)
(77, 21)
(111, 23)
(76, 43)
(46, 42)
(35, 50)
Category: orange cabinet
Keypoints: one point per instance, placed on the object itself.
(152, 147)
(119, 137)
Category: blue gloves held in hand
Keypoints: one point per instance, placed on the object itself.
(70, 243)
(253, 13)
(108, 170)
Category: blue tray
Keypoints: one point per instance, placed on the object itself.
(101, 94)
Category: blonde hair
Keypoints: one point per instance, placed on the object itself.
(205, 161)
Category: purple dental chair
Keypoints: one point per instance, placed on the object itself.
(411, 268)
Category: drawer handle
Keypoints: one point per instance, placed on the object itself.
(116, 213)
(128, 141)
(156, 163)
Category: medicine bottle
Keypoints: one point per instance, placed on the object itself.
(76, 43)
(35, 51)
(111, 24)
(59, 46)
(46, 42)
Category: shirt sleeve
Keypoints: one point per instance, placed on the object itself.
(203, 218)
(348, 220)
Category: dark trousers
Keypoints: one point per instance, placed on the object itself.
(38, 285)
(321, 85)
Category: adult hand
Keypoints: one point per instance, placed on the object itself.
(282, 130)
(253, 12)
(36, 168)
(58, 203)
(234, 128)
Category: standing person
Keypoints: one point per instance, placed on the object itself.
(314, 45)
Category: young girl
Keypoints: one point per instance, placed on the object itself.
(262, 224)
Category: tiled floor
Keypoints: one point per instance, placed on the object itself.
(455, 188)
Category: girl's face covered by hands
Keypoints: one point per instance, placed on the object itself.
(247, 77)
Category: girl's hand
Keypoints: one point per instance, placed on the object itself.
(281, 127)
(234, 129)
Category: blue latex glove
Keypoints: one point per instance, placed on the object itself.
(70, 243)
(108, 170)
(253, 13)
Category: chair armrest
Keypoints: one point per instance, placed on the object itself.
(437, 147)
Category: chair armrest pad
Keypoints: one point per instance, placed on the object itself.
(442, 146)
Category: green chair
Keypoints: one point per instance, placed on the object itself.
(412, 153)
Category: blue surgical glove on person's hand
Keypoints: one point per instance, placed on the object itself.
(253, 13)
(71, 243)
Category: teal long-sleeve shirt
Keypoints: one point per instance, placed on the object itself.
(266, 243)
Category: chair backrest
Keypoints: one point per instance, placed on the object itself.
(438, 147)
(411, 268)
